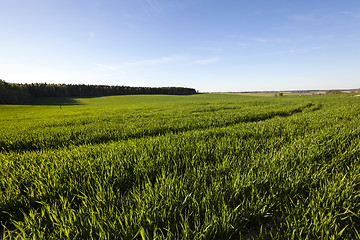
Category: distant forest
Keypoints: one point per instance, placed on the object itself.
(14, 93)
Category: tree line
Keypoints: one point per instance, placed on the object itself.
(14, 93)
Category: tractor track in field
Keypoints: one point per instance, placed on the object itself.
(35, 146)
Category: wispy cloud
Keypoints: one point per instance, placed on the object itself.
(210, 49)
(151, 61)
(242, 44)
(92, 35)
(110, 67)
(308, 18)
(302, 17)
(94, 4)
(269, 40)
(354, 15)
(234, 35)
(120, 67)
(154, 5)
(261, 40)
(207, 60)
(292, 51)
(326, 37)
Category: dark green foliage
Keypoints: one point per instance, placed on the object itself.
(14, 93)
(63, 90)
(11, 93)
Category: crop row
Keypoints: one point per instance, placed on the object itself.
(291, 176)
(104, 126)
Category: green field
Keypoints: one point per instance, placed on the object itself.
(206, 166)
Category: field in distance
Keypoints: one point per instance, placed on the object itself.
(205, 166)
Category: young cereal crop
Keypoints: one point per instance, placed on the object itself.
(207, 166)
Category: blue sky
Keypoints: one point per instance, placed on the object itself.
(210, 45)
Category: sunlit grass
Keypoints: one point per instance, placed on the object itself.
(208, 166)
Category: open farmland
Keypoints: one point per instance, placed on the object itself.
(206, 166)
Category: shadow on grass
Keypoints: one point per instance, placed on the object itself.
(54, 101)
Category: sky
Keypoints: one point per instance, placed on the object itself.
(209, 45)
